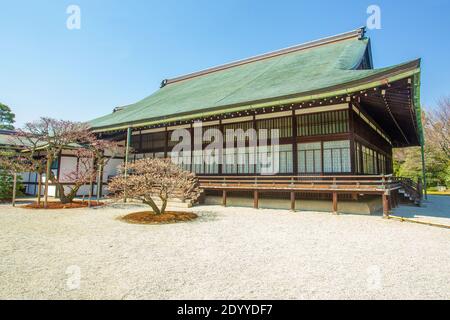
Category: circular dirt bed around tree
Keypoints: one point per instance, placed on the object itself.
(148, 217)
(60, 205)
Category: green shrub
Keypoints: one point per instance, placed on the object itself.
(6, 185)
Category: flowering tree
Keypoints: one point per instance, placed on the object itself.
(69, 184)
(50, 137)
(44, 141)
(146, 179)
(437, 126)
(92, 157)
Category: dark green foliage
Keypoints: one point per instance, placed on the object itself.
(6, 185)
(7, 118)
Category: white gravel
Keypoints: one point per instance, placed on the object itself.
(228, 253)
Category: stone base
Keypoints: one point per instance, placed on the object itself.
(365, 206)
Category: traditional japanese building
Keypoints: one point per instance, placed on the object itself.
(337, 117)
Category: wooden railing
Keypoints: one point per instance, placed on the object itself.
(376, 183)
(387, 186)
(412, 188)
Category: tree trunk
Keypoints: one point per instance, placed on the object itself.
(14, 189)
(152, 204)
(39, 191)
(99, 182)
(164, 205)
(67, 198)
(47, 177)
(91, 184)
(62, 196)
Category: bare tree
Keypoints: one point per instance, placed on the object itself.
(45, 140)
(92, 156)
(102, 152)
(437, 124)
(155, 178)
(52, 136)
(69, 184)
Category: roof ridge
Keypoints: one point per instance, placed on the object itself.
(359, 33)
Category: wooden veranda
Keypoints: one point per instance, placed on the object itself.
(387, 187)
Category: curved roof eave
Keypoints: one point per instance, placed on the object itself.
(383, 77)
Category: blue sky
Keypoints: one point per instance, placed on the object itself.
(125, 48)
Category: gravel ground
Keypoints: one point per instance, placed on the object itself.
(228, 253)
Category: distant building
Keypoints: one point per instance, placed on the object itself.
(64, 164)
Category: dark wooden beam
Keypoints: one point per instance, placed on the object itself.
(335, 203)
(385, 198)
(294, 143)
(256, 199)
(224, 198)
(166, 143)
(293, 201)
(352, 140)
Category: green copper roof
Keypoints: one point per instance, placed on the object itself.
(7, 140)
(279, 77)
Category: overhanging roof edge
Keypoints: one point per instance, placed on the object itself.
(407, 70)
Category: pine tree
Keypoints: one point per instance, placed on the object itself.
(7, 118)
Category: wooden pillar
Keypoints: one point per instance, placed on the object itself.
(14, 189)
(166, 143)
(420, 188)
(294, 144)
(335, 203)
(39, 191)
(140, 141)
(99, 182)
(127, 155)
(222, 155)
(292, 201)
(355, 196)
(385, 205)
(58, 172)
(424, 177)
(256, 199)
(352, 139)
(91, 189)
(256, 159)
(47, 176)
(224, 198)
